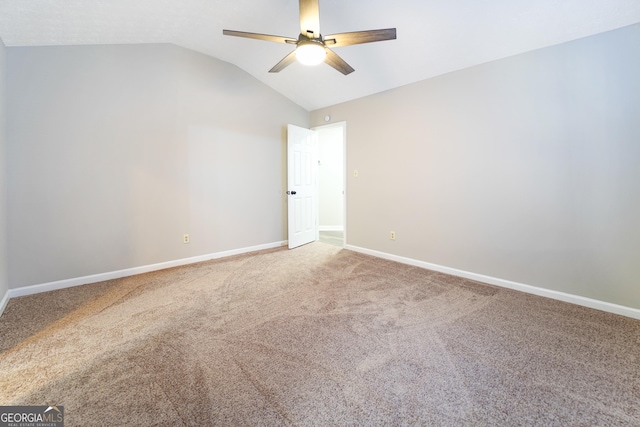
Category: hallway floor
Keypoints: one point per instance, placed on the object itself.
(335, 238)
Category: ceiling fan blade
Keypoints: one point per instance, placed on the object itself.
(338, 63)
(359, 37)
(286, 61)
(265, 37)
(310, 18)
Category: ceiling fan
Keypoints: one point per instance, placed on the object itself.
(311, 47)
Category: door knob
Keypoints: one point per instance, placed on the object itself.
(291, 193)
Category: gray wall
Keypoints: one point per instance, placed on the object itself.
(524, 169)
(4, 284)
(115, 152)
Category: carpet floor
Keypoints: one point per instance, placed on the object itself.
(316, 336)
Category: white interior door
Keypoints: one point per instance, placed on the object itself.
(301, 180)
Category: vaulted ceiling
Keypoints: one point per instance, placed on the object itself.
(434, 36)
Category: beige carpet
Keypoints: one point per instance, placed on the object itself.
(316, 336)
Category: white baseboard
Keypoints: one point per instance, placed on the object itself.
(94, 278)
(561, 296)
(330, 228)
(4, 301)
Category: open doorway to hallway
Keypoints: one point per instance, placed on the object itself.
(331, 183)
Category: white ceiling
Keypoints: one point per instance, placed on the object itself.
(434, 36)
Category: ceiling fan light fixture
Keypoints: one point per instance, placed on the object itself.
(311, 47)
(310, 53)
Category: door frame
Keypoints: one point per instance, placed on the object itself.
(343, 125)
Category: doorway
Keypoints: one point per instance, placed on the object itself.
(331, 151)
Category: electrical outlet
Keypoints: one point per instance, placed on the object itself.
(185, 238)
(392, 235)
